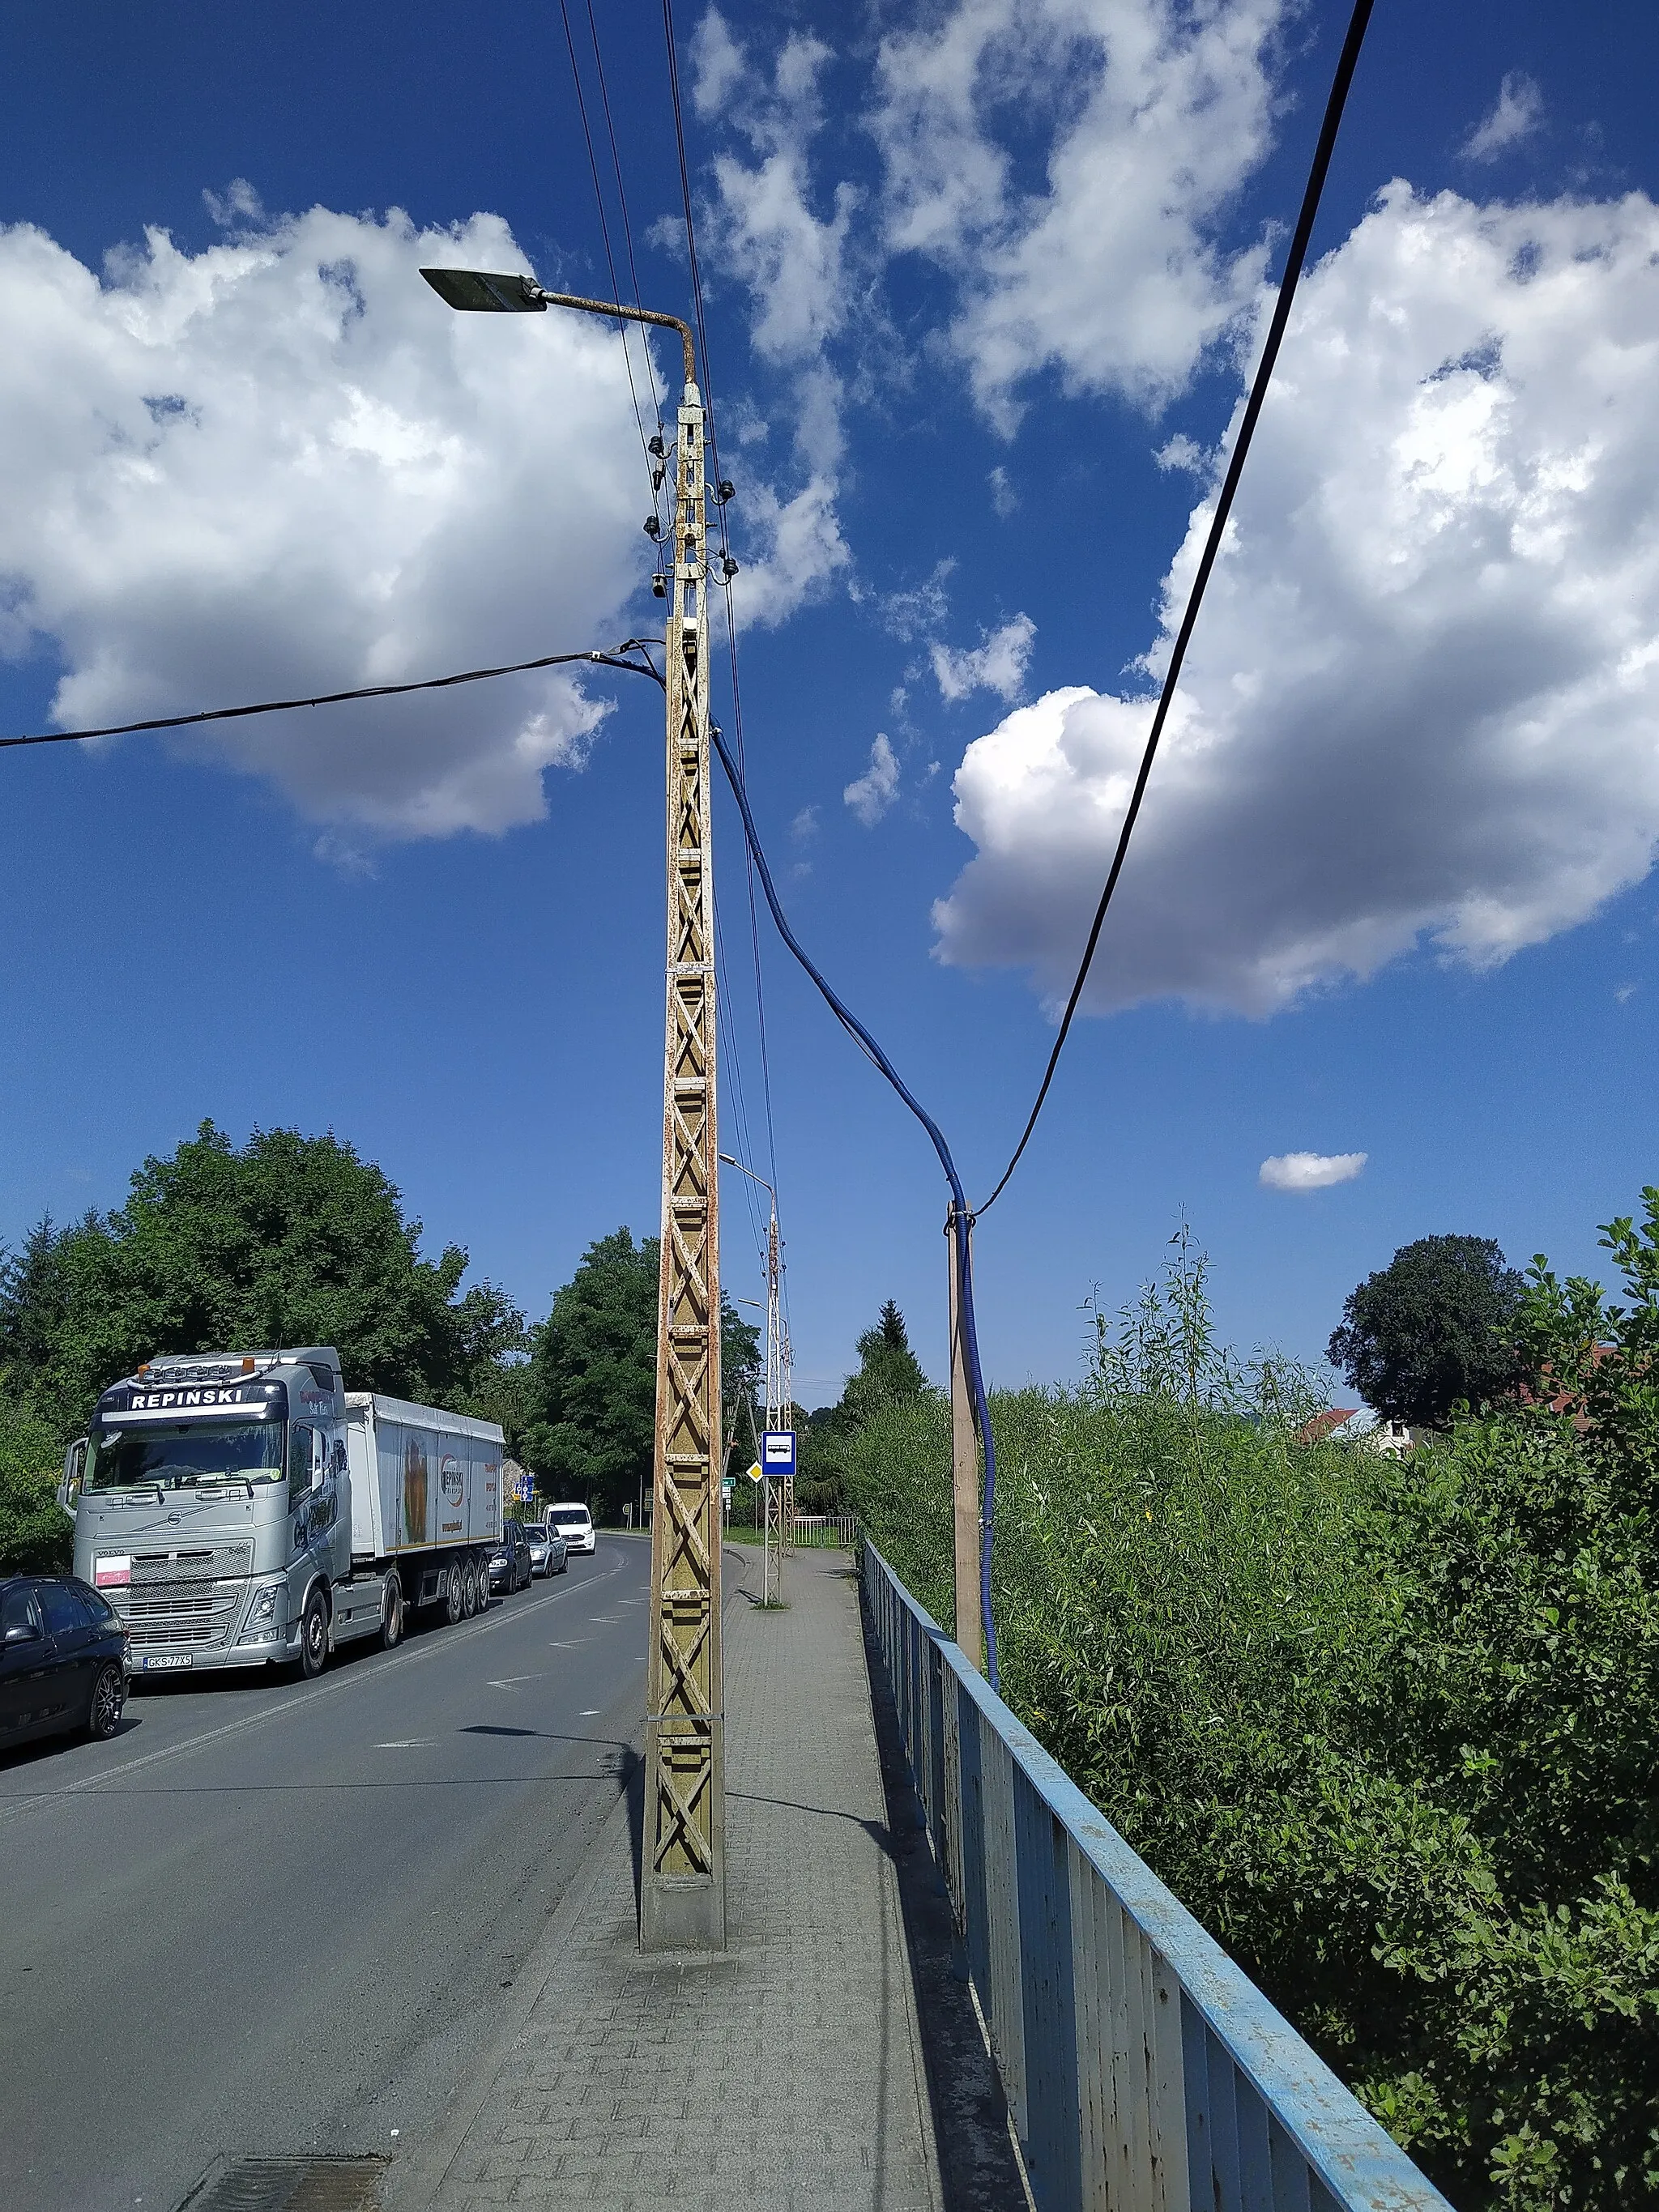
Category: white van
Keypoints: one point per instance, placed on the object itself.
(575, 1524)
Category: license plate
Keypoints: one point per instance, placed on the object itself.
(158, 1662)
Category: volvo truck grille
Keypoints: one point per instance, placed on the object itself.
(188, 1597)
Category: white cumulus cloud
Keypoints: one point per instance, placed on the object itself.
(998, 664)
(870, 794)
(1113, 275)
(1422, 702)
(764, 231)
(1309, 1170)
(281, 465)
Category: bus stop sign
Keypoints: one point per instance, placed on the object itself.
(778, 1451)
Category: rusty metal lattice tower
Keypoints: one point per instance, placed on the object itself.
(683, 1877)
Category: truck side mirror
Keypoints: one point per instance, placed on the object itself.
(75, 1468)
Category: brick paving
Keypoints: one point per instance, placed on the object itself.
(787, 2073)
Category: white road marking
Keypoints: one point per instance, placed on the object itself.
(510, 1681)
(409, 1743)
(12, 1809)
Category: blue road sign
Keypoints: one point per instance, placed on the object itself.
(778, 1451)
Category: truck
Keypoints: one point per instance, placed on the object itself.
(245, 1509)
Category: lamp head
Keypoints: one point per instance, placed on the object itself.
(476, 291)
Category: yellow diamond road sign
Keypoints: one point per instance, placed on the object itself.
(754, 1472)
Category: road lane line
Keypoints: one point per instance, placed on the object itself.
(12, 1809)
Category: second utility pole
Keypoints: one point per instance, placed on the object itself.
(964, 1462)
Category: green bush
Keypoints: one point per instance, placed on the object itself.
(1389, 1729)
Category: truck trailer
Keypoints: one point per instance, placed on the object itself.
(245, 1509)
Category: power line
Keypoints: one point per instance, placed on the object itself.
(643, 665)
(855, 1029)
(609, 258)
(621, 201)
(727, 564)
(604, 659)
(1322, 160)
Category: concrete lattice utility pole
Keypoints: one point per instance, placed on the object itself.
(683, 1877)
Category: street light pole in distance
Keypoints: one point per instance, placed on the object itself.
(683, 1875)
(779, 1524)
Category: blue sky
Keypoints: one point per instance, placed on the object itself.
(972, 269)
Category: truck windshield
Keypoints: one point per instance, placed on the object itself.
(181, 1456)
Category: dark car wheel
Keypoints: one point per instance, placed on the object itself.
(313, 1637)
(109, 1694)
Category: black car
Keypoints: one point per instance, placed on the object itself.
(509, 1566)
(63, 1659)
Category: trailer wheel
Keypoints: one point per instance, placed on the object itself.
(313, 1637)
(454, 1596)
(391, 1615)
(469, 1586)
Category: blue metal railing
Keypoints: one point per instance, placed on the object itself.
(1144, 2072)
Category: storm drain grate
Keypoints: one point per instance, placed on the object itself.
(288, 2185)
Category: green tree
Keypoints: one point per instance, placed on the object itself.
(888, 1374)
(35, 1535)
(1433, 1329)
(590, 1387)
(286, 1240)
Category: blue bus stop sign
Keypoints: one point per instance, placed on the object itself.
(778, 1451)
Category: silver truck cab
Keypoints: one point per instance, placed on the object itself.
(212, 1509)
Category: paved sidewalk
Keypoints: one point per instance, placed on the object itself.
(787, 2073)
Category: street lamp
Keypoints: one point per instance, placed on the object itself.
(777, 1399)
(683, 1876)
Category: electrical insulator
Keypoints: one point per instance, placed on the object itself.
(653, 527)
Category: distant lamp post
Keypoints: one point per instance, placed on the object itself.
(683, 1882)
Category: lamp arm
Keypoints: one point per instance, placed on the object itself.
(614, 307)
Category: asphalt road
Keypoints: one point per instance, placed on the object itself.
(272, 1918)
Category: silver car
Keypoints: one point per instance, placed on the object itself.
(548, 1552)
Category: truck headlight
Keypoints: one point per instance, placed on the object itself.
(263, 1611)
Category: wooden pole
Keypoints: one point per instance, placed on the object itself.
(964, 1466)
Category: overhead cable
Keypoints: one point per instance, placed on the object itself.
(621, 202)
(970, 1333)
(612, 659)
(1294, 260)
(727, 566)
(643, 665)
(609, 258)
